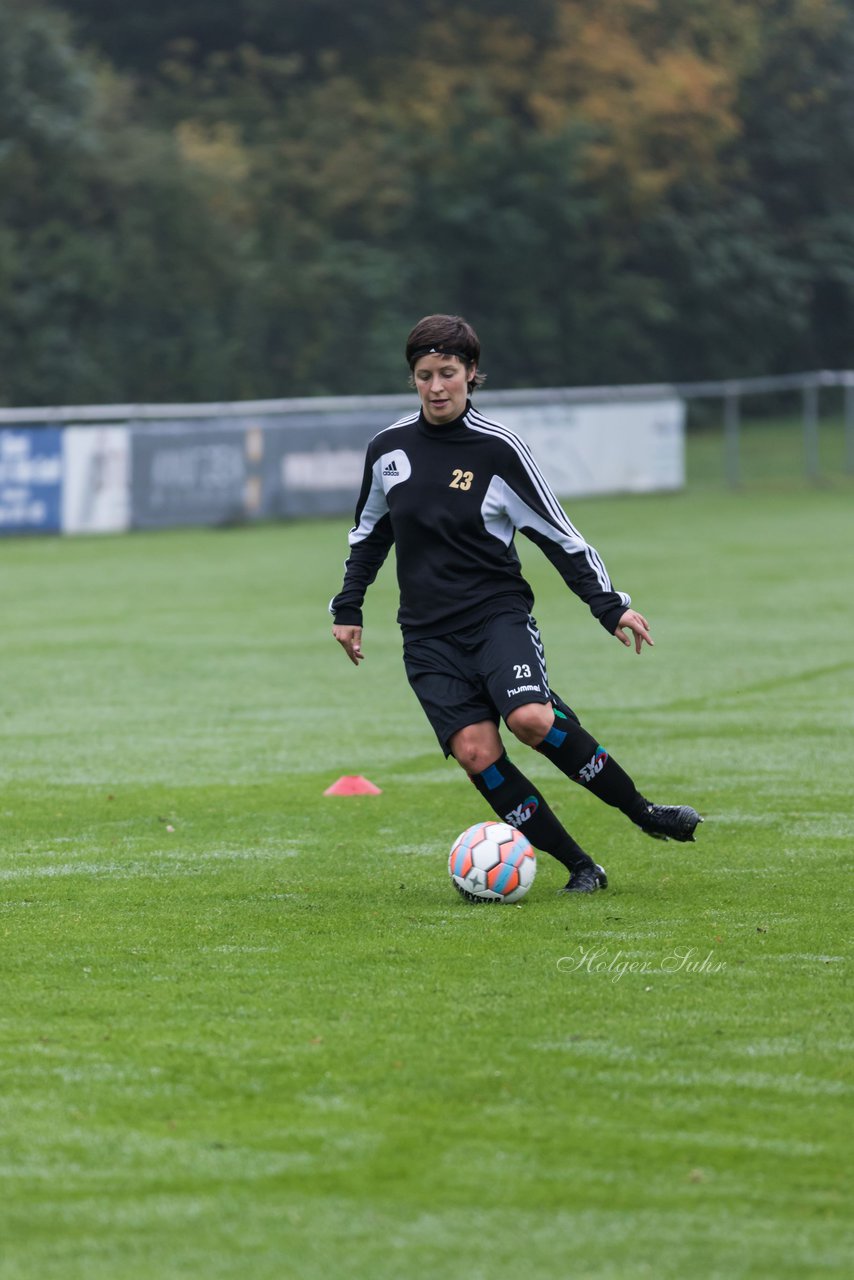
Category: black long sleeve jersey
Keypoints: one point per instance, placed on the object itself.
(451, 499)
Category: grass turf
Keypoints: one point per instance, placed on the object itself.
(251, 1030)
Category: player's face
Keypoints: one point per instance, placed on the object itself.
(442, 384)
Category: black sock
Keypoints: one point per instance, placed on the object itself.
(518, 802)
(569, 746)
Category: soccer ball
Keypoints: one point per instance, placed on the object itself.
(492, 862)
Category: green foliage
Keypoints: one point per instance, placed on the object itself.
(248, 1029)
(115, 277)
(764, 263)
(140, 38)
(798, 145)
(262, 199)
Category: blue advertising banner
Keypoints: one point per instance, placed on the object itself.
(31, 480)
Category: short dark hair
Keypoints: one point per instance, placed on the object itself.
(446, 335)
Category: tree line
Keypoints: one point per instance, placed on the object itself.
(207, 201)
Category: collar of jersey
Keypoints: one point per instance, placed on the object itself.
(445, 428)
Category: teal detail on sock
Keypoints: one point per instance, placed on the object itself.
(492, 777)
(555, 737)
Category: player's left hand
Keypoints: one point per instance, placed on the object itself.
(638, 624)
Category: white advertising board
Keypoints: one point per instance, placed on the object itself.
(621, 447)
(96, 483)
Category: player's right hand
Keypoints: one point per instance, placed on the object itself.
(350, 639)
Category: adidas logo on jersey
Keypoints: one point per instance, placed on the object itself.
(393, 468)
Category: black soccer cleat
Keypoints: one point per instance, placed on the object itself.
(586, 879)
(670, 821)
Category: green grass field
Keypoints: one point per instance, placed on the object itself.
(251, 1031)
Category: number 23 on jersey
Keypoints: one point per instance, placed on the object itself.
(461, 479)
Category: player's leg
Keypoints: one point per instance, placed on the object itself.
(517, 801)
(538, 717)
(455, 700)
(578, 755)
(556, 733)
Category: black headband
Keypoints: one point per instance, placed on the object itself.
(439, 351)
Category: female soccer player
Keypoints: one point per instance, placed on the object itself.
(450, 488)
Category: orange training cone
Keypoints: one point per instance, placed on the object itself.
(352, 784)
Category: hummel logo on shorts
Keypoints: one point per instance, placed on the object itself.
(391, 469)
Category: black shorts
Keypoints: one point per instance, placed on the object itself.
(478, 673)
